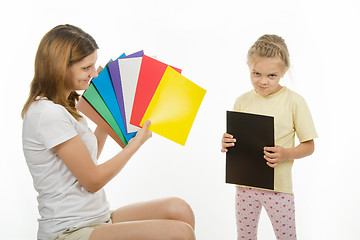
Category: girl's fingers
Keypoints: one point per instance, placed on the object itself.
(228, 140)
(271, 164)
(225, 145)
(226, 135)
(271, 159)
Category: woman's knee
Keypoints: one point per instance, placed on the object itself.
(182, 231)
(178, 209)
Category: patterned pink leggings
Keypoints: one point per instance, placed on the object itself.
(279, 207)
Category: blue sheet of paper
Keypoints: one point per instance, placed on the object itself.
(105, 88)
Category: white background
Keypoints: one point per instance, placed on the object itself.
(209, 41)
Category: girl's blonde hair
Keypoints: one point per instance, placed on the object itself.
(59, 48)
(270, 46)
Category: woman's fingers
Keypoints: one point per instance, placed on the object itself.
(146, 124)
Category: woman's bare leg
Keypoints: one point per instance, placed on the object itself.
(167, 208)
(145, 230)
(169, 218)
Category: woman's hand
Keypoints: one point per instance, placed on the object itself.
(142, 135)
(228, 140)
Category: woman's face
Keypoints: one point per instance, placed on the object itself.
(79, 74)
(265, 74)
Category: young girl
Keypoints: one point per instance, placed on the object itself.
(268, 61)
(62, 152)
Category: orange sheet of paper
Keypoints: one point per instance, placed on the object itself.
(85, 107)
(174, 106)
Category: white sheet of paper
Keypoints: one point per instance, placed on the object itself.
(129, 72)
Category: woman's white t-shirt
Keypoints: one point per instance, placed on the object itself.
(63, 202)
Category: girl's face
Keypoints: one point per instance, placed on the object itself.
(265, 74)
(79, 74)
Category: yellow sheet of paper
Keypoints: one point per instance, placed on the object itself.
(174, 106)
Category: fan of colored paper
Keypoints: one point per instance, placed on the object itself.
(136, 88)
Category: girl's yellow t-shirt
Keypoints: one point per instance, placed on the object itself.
(291, 115)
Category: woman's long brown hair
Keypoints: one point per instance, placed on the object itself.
(58, 49)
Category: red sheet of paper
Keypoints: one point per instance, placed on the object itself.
(150, 75)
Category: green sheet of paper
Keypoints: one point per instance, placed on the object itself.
(94, 98)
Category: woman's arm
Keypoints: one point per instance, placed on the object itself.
(101, 136)
(76, 157)
(277, 154)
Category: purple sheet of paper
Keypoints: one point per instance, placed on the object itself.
(104, 87)
(116, 81)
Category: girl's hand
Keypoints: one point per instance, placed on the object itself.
(227, 141)
(275, 155)
(142, 135)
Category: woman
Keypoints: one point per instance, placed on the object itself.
(62, 152)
